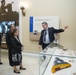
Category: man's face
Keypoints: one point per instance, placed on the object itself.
(12, 27)
(45, 26)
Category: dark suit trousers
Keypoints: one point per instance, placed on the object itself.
(9, 56)
(44, 46)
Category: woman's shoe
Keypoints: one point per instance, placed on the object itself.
(22, 68)
(16, 72)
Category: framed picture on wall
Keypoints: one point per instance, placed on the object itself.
(36, 25)
(9, 14)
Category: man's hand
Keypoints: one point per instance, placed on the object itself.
(40, 47)
(65, 27)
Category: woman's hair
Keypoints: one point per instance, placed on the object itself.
(13, 32)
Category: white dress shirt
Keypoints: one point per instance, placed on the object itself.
(47, 37)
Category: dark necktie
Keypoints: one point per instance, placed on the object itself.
(45, 35)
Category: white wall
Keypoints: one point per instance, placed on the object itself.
(65, 9)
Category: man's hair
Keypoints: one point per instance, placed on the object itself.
(44, 23)
(12, 25)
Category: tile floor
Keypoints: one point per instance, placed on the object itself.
(30, 62)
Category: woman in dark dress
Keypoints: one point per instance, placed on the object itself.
(16, 49)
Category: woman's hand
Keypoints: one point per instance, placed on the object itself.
(22, 48)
